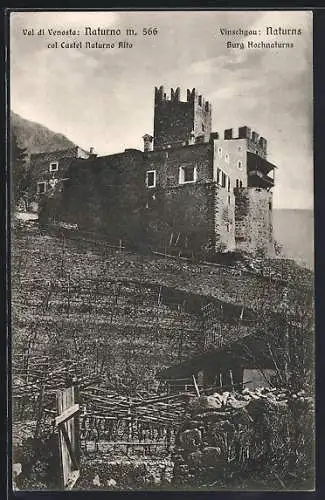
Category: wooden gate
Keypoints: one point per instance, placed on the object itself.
(67, 422)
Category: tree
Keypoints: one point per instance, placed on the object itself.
(278, 248)
(19, 171)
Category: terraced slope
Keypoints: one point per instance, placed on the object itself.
(128, 315)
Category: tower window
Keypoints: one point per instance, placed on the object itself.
(227, 157)
(41, 187)
(270, 205)
(203, 127)
(228, 184)
(220, 152)
(219, 176)
(240, 164)
(151, 178)
(187, 174)
(223, 179)
(54, 166)
(228, 200)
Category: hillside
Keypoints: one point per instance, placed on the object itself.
(36, 137)
(133, 314)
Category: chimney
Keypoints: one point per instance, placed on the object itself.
(147, 142)
(92, 150)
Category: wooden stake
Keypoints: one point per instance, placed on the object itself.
(196, 386)
(231, 381)
(39, 411)
(69, 291)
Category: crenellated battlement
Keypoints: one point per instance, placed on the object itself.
(254, 139)
(192, 96)
(180, 122)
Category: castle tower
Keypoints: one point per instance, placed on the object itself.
(180, 123)
(254, 199)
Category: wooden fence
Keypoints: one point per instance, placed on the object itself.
(67, 422)
(120, 424)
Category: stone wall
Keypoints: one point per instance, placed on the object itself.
(175, 120)
(224, 219)
(180, 214)
(247, 440)
(109, 195)
(168, 162)
(40, 166)
(253, 214)
(106, 195)
(173, 123)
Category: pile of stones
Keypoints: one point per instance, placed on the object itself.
(232, 432)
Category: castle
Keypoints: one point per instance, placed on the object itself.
(189, 188)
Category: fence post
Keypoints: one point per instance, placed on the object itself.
(77, 419)
(39, 410)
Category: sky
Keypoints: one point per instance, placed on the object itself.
(105, 97)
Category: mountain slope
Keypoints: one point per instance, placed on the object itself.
(35, 137)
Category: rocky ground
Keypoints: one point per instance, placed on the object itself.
(261, 438)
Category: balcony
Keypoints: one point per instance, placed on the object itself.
(258, 170)
(258, 179)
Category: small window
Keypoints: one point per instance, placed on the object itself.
(220, 152)
(237, 183)
(270, 205)
(228, 227)
(223, 179)
(54, 166)
(41, 187)
(228, 184)
(241, 184)
(151, 179)
(227, 157)
(240, 148)
(240, 164)
(219, 177)
(187, 174)
(203, 127)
